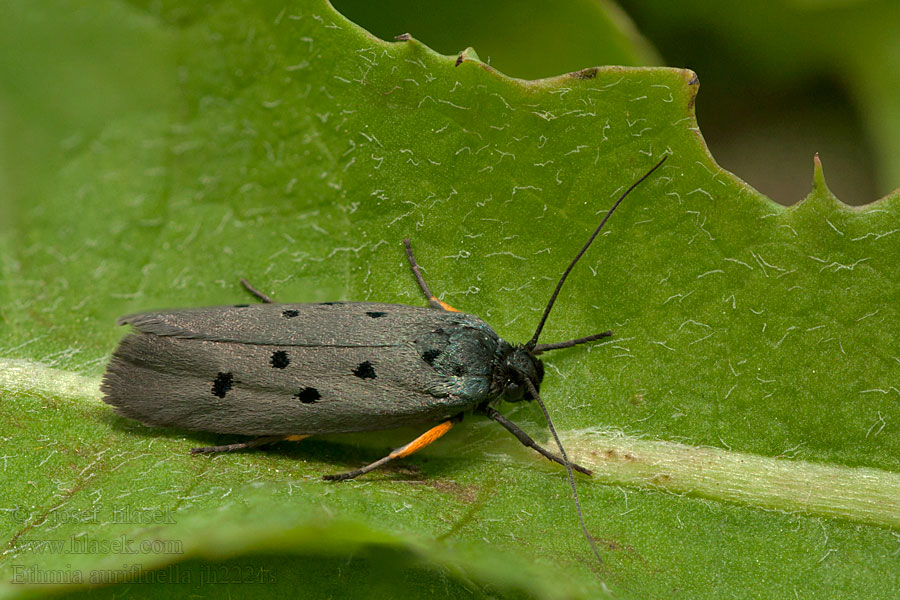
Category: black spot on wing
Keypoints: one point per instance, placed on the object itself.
(459, 370)
(365, 370)
(432, 345)
(290, 313)
(308, 395)
(431, 355)
(241, 305)
(330, 303)
(280, 359)
(222, 384)
(376, 314)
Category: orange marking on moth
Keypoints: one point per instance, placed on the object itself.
(423, 440)
(444, 305)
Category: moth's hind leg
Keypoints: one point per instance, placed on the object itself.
(432, 300)
(256, 292)
(417, 444)
(260, 441)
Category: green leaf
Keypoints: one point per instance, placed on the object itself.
(742, 421)
(527, 39)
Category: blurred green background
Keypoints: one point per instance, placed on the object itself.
(780, 81)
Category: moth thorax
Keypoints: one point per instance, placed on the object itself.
(515, 364)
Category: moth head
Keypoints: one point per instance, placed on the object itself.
(519, 364)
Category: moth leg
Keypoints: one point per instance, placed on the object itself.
(256, 292)
(432, 300)
(527, 441)
(414, 446)
(260, 441)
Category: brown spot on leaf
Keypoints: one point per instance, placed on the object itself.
(589, 73)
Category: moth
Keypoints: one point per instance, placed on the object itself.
(288, 371)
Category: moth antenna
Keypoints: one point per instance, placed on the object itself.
(540, 348)
(534, 339)
(565, 457)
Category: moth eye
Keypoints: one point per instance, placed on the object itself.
(459, 370)
(280, 359)
(222, 384)
(365, 370)
(308, 395)
(290, 313)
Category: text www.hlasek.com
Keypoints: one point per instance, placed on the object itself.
(88, 545)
